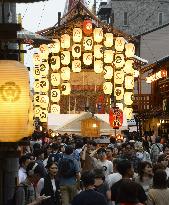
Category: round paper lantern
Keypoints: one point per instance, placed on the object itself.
(14, 101)
(119, 77)
(66, 89)
(119, 44)
(43, 116)
(55, 79)
(119, 105)
(36, 86)
(65, 57)
(44, 48)
(77, 35)
(129, 82)
(108, 56)
(55, 109)
(128, 112)
(36, 99)
(98, 34)
(44, 85)
(88, 43)
(119, 61)
(108, 72)
(55, 63)
(76, 66)
(98, 51)
(36, 72)
(65, 73)
(44, 68)
(55, 47)
(76, 50)
(87, 27)
(108, 39)
(36, 59)
(128, 98)
(119, 93)
(65, 41)
(44, 101)
(129, 50)
(87, 58)
(31, 127)
(98, 66)
(128, 68)
(37, 111)
(107, 88)
(55, 95)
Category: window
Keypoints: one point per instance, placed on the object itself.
(160, 18)
(125, 20)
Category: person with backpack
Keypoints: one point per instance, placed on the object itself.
(156, 150)
(69, 173)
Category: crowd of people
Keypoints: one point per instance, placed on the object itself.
(78, 171)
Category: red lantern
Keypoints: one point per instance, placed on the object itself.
(116, 117)
(87, 27)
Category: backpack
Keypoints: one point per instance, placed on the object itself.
(66, 168)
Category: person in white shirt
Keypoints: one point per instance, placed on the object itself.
(23, 162)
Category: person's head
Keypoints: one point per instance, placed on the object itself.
(52, 168)
(99, 173)
(128, 149)
(166, 149)
(34, 172)
(109, 152)
(88, 179)
(31, 157)
(79, 144)
(24, 160)
(113, 140)
(124, 167)
(59, 140)
(68, 149)
(91, 145)
(160, 179)
(39, 154)
(47, 151)
(36, 146)
(115, 162)
(158, 166)
(145, 169)
(158, 139)
(101, 153)
(163, 160)
(55, 147)
(62, 148)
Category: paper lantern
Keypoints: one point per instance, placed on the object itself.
(108, 39)
(98, 34)
(87, 27)
(77, 35)
(14, 100)
(55, 79)
(88, 43)
(65, 57)
(128, 68)
(44, 101)
(119, 44)
(44, 56)
(98, 66)
(115, 117)
(108, 72)
(36, 86)
(128, 98)
(31, 127)
(76, 66)
(36, 99)
(128, 113)
(98, 51)
(107, 88)
(54, 47)
(37, 111)
(55, 63)
(66, 89)
(65, 41)
(43, 116)
(119, 105)
(55, 109)
(44, 85)
(108, 56)
(119, 77)
(43, 48)
(87, 58)
(65, 73)
(129, 82)
(119, 93)
(119, 61)
(36, 59)
(76, 50)
(136, 73)
(55, 95)
(129, 50)
(44, 68)
(36, 72)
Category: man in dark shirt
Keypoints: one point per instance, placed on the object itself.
(89, 196)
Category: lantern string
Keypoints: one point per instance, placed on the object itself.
(44, 5)
(25, 12)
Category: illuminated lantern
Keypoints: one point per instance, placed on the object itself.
(76, 66)
(136, 73)
(36, 59)
(77, 35)
(76, 50)
(119, 44)
(55, 95)
(55, 79)
(108, 72)
(98, 51)
(108, 40)
(65, 57)
(36, 72)
(119, 77)
(98, 34)
(66, 89)
(119, 93)
(44, 48)
(107, 88)
(14, 101)
(119, 61)
(65, 41)
(44, 69)
(44, 85)
(128, 98)
(55, 109)
(128, 68)
(128, 112)
(88, 43)
(130, 50)
(129, 82)
(36, 86)
(55, 47)
(163, 73)
(87, 27)
(37, 111)
(120, 105)
(98, 66)
(31, 127)
(43, 116)
(115, 118)
(36, 99)
(44, 56)
(65, 73)
(87, 58)
(55, 63)
(44, 101)
(108, 56)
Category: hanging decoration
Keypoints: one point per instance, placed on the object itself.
(119, 44)
(108, 72)
(55, 79)
(116, 118)
(108, 56)
(55, 108)
(65, 57)
(88, 43)
(128, 112)
(65, 41)
(129, 50)
(87, 27)
(98, 66)
(98, 51)
(55, 63)
(76, 66)
(65, 88)
(55, 95)
(87, 58)
(65, 73)
(108, 40)
(107, 88)
(54, 47)
(98, 35)
(76, 50)
(77, 35)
